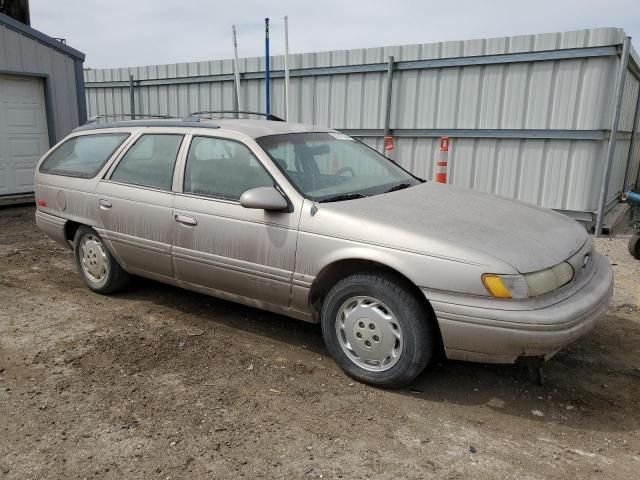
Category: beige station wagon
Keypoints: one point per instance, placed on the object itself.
(309, 223)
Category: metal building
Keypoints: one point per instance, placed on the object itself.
(529, 117)
(41, 100)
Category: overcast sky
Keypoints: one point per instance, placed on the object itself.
(120, 33)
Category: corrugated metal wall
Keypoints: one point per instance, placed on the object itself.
(22, 55)
(528, 116)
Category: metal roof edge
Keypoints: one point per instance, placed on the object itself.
(40, 37)
(600, 37)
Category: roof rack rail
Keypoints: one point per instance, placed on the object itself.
(193, 117)
(95, 118)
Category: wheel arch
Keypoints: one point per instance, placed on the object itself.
(341, 268)
(70, 229)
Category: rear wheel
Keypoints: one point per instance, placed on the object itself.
(634, 245)
(377, 330)
(97, 267)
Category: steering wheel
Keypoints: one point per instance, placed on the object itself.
(346, 169)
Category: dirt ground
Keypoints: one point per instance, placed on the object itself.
(157, 382)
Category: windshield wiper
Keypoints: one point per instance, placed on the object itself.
(343, 196)
(400, 186)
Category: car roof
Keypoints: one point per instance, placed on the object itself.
(249, 127)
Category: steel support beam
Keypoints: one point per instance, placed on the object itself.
(611, 146)
(480, 133)
(389, 93)
(132, 98)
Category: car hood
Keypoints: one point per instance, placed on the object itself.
(456, 223)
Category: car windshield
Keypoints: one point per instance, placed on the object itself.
(333, 166)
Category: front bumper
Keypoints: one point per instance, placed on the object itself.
(500, 331)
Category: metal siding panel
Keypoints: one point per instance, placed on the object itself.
(618, 168)
(531, 167)
(323, 103)
(28, 54)
(338, 102)
(540, 92)
(307, 91)
(554, 174)
(594, 109)
(448, 97)
(506, 168)
(515, 96)
(491, 98)
(11, 47)
(564, 95)
(582, 182)
(404, 105)
(628, 103)
(354, 100)
(422, 157)
(469, 93)
(461, 162)
(372, 100)
(485, 164)
(428, 92)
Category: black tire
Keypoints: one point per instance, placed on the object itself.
(114, 279)
(415, 321)
(634, 245)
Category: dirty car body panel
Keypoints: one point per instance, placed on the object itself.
(442, 240)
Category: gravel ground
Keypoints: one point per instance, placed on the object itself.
(157, 382)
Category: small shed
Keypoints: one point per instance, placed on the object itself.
(41, 100)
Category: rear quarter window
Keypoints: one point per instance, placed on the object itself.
(83, 156)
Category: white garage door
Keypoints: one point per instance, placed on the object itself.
(23, 132)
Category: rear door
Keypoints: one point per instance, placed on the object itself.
(135, 204)
(219, 244)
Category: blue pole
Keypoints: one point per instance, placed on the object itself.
(266, 73)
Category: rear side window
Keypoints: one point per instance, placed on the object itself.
(150, 161)
(222, 169)
(83, 156)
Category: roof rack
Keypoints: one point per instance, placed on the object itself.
(95, 118)
(193, 117)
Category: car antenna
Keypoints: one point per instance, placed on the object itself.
(314, 206)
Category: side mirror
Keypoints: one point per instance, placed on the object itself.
(265, 198)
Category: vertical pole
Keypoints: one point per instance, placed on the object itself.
(266, 67)
(388, 140)
(132, 99)
(632, 145)
(286, 67)
(615, 119)
(236, 68)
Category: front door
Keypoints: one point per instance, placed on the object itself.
(219, 244)
(136, 205)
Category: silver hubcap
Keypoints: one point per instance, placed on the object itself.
(369, 333)
(93, 258)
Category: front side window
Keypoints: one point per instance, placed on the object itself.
(333, 166)
(150, 161)
(222, 169)
(83, 156)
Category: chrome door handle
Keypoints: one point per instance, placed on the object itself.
(185, 219)
(104, 205)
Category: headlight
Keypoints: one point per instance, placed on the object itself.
(528, 285)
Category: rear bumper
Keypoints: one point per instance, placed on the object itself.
(499, 331)
(53, 226)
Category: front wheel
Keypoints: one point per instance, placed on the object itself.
(634, 245)
(377, 330)
(97, 267)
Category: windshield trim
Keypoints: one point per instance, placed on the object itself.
(319, 199)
